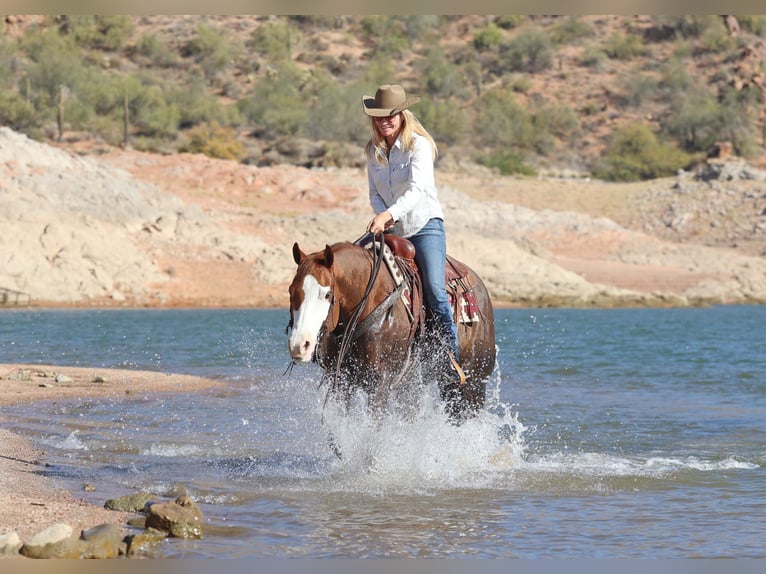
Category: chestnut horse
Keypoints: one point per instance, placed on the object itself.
(347, 313)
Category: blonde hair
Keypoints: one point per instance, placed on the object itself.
(378, 148)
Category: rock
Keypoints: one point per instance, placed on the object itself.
(130, 502)
(102, 541)
(136, 543)
(54, 542)
(181, 519)
(10, 544)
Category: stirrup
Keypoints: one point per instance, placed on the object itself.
(457, 368)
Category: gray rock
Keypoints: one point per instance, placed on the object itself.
(10, 544)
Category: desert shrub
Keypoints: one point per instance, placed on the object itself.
(634, 153)
(439, 77)
(195, 106)
(507, 163)
(695, 120)
(716, 38)
(621, 46)
(443, 119)
(502, 122)
(740, 110)
(509, 21)
(531, 50)
(54, 62)
(572, 30)
(274, 40)
(559, 120)
(156, 51)
(387, 35)
(639, 88)
(214, 140)
(213, 49)
(16, 112)
(487, 38)
(755, 24)
(104, 32)
(152, 115)
(592, 56)
(335, 111)
(675, 80)
(277, 106)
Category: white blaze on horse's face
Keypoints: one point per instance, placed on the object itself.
(308, 318)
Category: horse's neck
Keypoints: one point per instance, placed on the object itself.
(353, 268)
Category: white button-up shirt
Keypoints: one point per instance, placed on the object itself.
(405, 186)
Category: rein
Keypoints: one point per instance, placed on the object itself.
(350, 331)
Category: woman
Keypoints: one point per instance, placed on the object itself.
(403, 195)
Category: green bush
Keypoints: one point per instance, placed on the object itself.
(592, 56)
(572, 30)
(213, 49)
(156, 51)
(621, 46)
(277, 107)
(696, 120)
(507, 163)
(100, 32)
(639, 88)
(387, 35)
(753, 24)
(531, 50)
(634, 153)
(488, 38)
(509, 21)
(438, 76)
(444, 120)
(16, 112)
(502, 122)
(274, 41)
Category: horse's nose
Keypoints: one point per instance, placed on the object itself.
(301, 349)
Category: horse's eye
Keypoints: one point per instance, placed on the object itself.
(328, 295)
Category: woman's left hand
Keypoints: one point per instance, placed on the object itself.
(380, 222)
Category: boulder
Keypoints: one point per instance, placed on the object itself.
(54, 542)
(102, 541)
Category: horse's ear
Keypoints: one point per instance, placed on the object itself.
(298, 255)
(328, 255)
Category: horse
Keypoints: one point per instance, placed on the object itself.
(369, 330)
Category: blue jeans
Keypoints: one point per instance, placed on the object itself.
(431, 256)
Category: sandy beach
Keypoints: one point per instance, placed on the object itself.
(31, 502)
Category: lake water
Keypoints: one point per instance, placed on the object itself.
(608, 434)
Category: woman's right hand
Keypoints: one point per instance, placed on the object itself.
(380, 222)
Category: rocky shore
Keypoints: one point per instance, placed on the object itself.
(39, 519)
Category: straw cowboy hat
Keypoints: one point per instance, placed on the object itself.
(389, 100)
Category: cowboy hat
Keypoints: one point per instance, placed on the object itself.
(389, 100)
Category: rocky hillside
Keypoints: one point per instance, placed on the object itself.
(133, 228)
(287, 89)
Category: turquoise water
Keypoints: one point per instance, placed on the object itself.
(608, 434)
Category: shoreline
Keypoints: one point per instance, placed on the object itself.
(31, 502)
